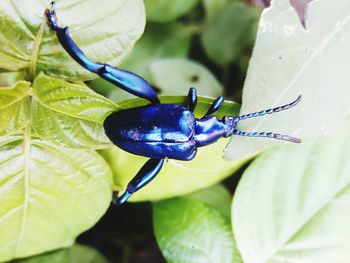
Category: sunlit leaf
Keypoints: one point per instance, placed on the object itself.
(106, 30)
(293, 204)
(165, 11)
(14, 107)
(289, 60)
(48, 194)
(69, 114)
(176, 177)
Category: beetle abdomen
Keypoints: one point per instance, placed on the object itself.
(156, 131)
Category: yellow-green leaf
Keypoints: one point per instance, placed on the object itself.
(48, 194)
(106, 31)
(69, 114)
(14, 107)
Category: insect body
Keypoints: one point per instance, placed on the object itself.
(159, 131)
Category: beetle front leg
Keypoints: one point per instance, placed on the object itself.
(126, 80)
(192, 99)
(215, 106)
(147, 173)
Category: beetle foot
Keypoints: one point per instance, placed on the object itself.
(51, 16)
(52, 6)
(121, 199)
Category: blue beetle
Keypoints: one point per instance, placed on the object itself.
(158, 131)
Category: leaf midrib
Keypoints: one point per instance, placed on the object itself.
(27, 157)
(35, 52)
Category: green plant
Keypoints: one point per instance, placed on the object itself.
(58, 170)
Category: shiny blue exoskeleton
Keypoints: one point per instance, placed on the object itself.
(158, 131)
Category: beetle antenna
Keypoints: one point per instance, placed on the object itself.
(267, 135)
(269, 111)
(231, 122)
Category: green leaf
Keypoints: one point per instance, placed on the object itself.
(190, 231)
(9, 79)
(69, 114)
(212, 7)
(80, 253)
(176, 75)
(176, 177)
(14, 107)
(159, 41)
(75, 254)
(292, 204)
(106, 30)
(229, 32)
(289, 60)
(166, 11)
(217, 196)
(48, 194)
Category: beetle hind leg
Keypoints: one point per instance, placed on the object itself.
(126, 80)
(147, 173)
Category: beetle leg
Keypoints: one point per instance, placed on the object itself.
(147, 173)
(192, 99)
(126, 80)
(214, 106)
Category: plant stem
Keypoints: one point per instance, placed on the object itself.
(126, 253)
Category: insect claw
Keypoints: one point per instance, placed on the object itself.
(121, 199)
(52, 6)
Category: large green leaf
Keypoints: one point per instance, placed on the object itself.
(231, 30)
(106, 30)
(188, 230)
(48, 194)
(289, 60)
(69, 114)
(75, 254)
(165, 11)
(293, 204)
(176, 177)
(14, 107)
